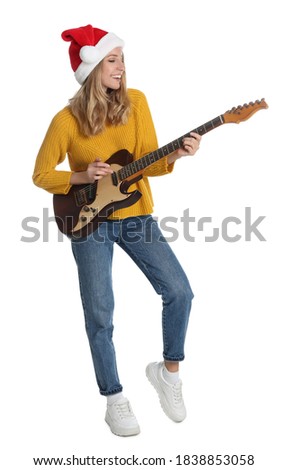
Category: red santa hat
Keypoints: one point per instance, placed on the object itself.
(88, 47)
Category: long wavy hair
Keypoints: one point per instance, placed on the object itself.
(94, 106)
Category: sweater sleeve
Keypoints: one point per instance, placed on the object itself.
(147, 140)
(52, 152)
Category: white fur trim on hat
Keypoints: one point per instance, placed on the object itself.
(92, 55)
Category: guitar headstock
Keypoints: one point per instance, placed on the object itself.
(242, 113)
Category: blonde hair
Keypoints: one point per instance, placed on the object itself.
(94, 106)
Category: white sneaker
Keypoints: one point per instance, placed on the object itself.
(170, 395)
(119, 416)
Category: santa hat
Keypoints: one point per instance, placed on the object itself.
(88, 47)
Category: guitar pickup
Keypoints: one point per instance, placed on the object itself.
(114, 178)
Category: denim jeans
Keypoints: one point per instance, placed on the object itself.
(142, 240)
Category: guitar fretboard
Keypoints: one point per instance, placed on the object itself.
(143, 162)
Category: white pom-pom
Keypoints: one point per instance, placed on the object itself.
(89, 54)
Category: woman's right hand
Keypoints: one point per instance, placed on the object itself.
(95, 171)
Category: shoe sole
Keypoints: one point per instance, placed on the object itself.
(155, 383)
(122, 432)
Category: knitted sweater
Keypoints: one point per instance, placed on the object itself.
(63, 138)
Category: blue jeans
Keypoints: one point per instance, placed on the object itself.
(142, 240)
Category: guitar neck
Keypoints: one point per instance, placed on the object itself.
(151, 158)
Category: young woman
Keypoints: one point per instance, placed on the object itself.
(102, 118)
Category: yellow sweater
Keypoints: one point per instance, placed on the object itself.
(64, 138)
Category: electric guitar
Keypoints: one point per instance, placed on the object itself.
(85, 207)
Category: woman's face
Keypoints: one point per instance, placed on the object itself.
(112, 69)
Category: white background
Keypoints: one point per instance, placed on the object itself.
(193, 60)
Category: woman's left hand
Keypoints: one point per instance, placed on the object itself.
(190, 147)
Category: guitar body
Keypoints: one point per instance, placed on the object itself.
(85, 207)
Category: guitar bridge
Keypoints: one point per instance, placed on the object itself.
(85, 195)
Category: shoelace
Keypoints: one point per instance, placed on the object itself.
(124, 410)
(177, 393)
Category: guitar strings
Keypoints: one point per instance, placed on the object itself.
(149, 158)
